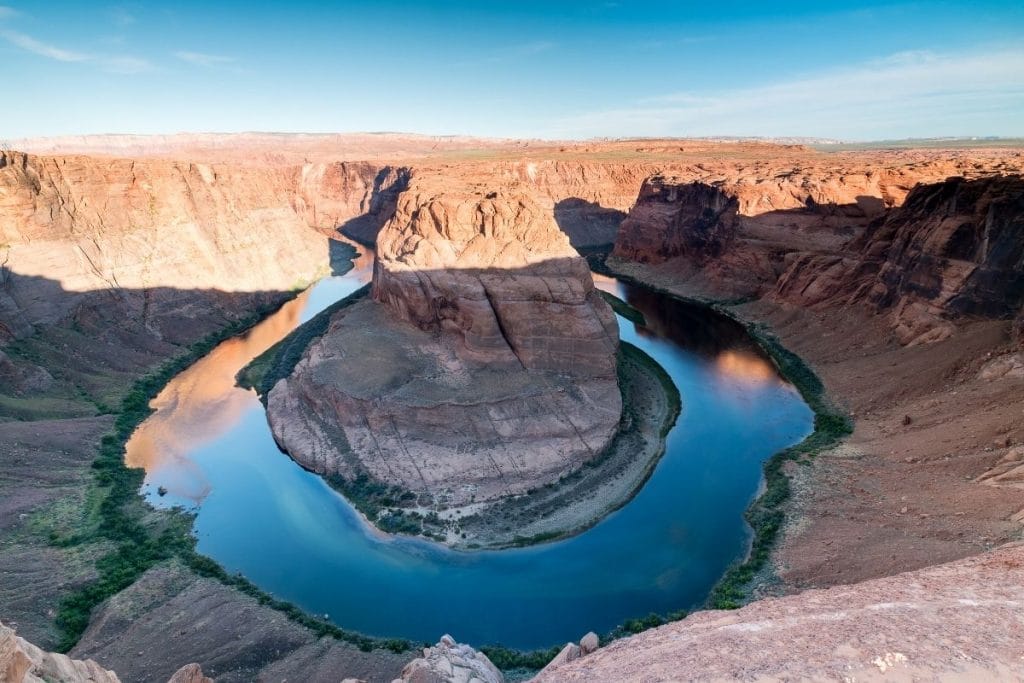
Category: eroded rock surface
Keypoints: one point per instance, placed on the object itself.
(959, 621)
(483, 367)
(674, 219)
(953, 249)
(23, 662)
(451, 662)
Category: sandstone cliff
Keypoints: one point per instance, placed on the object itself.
(154, 236)
(491, 272)
(953, 249)
(485, 365)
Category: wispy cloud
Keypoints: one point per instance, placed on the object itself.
(26, 42)
(903, 89)
(120, 64)
(204, 59)
(7, 12)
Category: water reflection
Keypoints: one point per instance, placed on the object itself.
(693, 327)
(203, 403)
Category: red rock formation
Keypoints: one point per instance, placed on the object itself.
(954, 249)
(673, 219)
(493, 274)
(150, 232)
(486, 362)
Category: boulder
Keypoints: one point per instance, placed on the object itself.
(451, 662)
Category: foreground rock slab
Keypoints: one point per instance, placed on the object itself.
(958, 621)
(23, 662)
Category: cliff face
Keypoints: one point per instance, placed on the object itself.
(491, 272)
(150, 234)
(484, 366)
(954, 249)
(673, 219)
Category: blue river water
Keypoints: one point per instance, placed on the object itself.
(208, 447)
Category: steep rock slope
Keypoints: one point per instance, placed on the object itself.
(483, 367)
(149, 234)
(954, 249)
(960, 621)
(673, 219)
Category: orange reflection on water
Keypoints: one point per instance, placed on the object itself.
(202, 403)
(745, 367)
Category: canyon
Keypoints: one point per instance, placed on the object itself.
(896, 274)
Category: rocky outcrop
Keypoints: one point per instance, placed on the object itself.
(190, 673)
(153, 236)
(570, 653)
(492, 274)
(486, 359)
(953, 250)
(451, 662)
(885, 627)
(23, 662)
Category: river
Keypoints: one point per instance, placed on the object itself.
(208, 448)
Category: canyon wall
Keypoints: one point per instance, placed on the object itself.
(493, 274)
(952, 249)
(158, 236)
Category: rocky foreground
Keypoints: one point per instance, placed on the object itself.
(484, 366)
(962, 621)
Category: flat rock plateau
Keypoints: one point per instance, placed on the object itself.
(894, 273)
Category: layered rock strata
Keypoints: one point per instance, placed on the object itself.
(483, 367)
(155, 237)
(953, 249)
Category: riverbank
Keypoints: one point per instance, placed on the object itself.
(905, 489)
(650, 406)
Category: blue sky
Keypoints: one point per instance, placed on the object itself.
(528, 69)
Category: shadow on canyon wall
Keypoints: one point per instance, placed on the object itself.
(588, 224)
(387, 185)
(75, 353)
